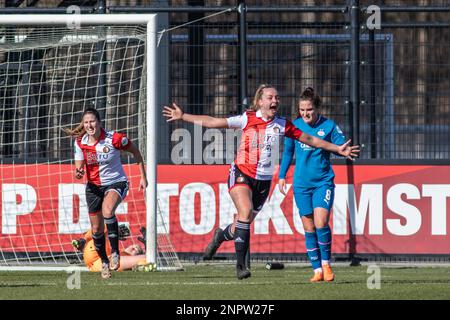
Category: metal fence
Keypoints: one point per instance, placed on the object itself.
(387, 85)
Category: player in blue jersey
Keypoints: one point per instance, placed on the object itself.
(313, 181)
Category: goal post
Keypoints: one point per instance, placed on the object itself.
(51, 71)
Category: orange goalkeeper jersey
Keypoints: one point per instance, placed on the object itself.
(90, 255)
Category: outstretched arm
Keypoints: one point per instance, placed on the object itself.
(140, 162)
(176, 113)
(345, 150)
(80, 243)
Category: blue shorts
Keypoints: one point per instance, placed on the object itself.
(307, 199)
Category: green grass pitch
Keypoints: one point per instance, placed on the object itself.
(218, 282)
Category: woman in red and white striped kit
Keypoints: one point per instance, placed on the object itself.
(251, 172)
(98, 150)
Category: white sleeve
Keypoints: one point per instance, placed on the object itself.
(78, 152)
(238, 122)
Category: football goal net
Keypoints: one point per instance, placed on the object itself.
(53, 67)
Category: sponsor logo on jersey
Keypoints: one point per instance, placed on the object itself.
(103, 163)
(91, 158)
(339, 130)
(320, 133)
(306, 147)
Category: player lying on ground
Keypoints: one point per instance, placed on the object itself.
(130, 258)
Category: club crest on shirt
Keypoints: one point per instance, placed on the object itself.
(240, 179)
(320, 133)
(124, 141)
(339, 130)
(276, 130)
(106, 149)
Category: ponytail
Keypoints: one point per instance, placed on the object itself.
(79, 130)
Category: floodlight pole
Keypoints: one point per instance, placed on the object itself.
(242, 13)
(354, 102)
(354, 70)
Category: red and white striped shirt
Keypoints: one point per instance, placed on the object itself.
(260, 142)
(103, 165)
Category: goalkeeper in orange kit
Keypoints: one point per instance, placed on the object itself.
(131, 257)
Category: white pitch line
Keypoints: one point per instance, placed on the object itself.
(18, 284)
(194, 283)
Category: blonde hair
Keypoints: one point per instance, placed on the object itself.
(258, 94)
(79, 130)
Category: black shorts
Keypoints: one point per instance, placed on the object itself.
(260, 188)
(95, 194)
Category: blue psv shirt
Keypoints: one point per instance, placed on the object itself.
(312, 165)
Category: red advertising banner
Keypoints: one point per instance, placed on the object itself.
(377, 209)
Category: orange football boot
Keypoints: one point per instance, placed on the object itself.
(318, 276)
(328, 274)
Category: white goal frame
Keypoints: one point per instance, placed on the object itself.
(151, 21)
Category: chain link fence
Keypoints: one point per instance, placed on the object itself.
(404, 69)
